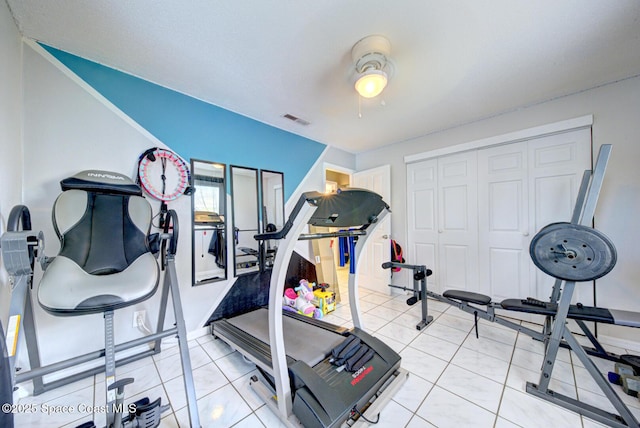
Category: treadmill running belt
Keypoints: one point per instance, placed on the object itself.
(303, 342)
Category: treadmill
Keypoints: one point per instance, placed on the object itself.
(292, 352)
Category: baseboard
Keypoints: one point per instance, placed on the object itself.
(202, 331)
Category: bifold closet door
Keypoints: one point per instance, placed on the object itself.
(503, 214)
(442, 220)
(522, 187)
(556, 165)
(458, 221)
(422, 218)
(471, 215)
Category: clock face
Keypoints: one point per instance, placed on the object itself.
(166, 177)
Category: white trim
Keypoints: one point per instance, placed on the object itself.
(382, 168)
(293, 199)
(200, 332)
(326, 166)
(511, 137)
(337, 168)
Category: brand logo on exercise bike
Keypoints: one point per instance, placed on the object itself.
(360, 374)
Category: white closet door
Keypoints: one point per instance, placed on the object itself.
(472, 215)
(458, 222)
(556, 165)
(503, 212)
(422, 216)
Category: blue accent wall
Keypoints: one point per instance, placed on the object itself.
(196, 129)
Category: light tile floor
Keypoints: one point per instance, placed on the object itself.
(455, 379)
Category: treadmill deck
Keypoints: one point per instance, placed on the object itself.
(303, 341)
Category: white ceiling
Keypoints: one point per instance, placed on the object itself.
(456, 61)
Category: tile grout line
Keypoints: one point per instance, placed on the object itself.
(504, 385)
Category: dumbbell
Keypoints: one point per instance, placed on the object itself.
(625, 376)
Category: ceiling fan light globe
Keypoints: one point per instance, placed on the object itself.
(371, 83)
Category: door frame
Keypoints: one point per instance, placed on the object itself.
(326, 166)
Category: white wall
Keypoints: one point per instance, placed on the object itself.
(616, 111)
(10, 132)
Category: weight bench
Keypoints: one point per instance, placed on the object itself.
(463, 300)
(580, 313)
(577, 312)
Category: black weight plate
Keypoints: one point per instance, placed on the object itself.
(572, 252)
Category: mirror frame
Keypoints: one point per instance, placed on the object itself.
(267, 254)
(234, 202)
(262, 198)
(196, 224)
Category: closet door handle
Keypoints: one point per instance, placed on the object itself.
(440, 230)
(386, 237)
(525, 233)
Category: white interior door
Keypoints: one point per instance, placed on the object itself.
(378, 249)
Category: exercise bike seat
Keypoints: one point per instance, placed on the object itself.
(104, 263)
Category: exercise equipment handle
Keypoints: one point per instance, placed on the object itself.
(19, 215)
(387, 265)
(172, 222)
(20, 220)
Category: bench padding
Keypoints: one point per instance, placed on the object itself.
(467, 296)
(584, 313)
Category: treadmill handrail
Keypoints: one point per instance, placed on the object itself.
(282, 233)
(364, 208)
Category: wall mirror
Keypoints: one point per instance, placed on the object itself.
(208, 203)
(272, 184)
(244, 188)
